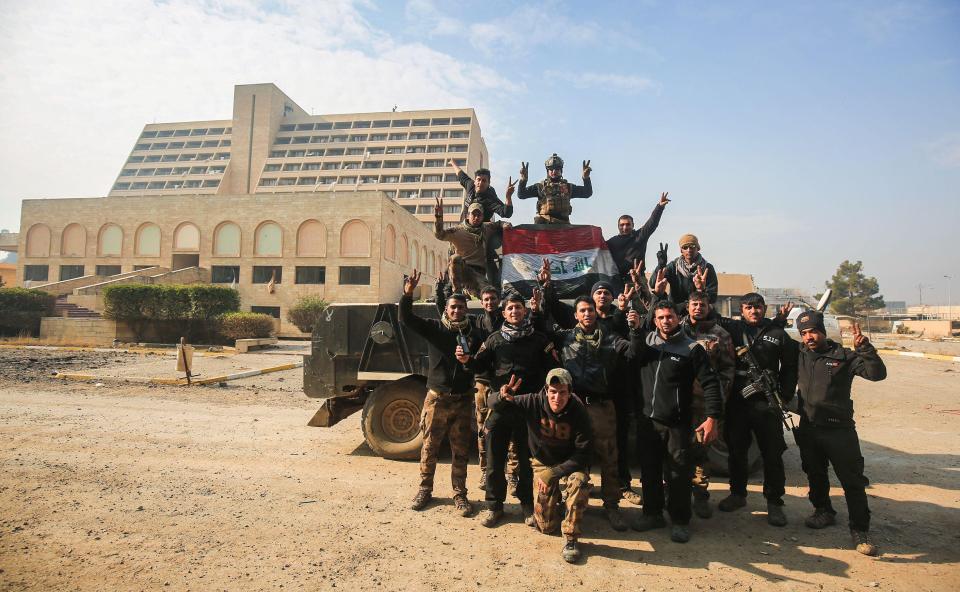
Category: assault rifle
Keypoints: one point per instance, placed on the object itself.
(764, 382)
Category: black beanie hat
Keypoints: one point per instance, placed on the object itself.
(601, 285)
(811, 319)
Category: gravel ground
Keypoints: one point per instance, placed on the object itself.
(130, 487)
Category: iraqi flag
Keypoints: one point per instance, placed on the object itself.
(578, 258)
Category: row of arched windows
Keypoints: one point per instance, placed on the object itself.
(311, 240)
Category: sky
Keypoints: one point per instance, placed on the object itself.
(790, 135)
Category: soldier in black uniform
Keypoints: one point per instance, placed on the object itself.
(630, 245)
(478, 190)
(748, 418)
(448, 407)
(517, 349)
(554, 193)
(827, 432)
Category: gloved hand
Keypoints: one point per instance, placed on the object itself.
(662, 255)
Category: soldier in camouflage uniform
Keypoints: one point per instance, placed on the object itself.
(448, 407)
(560, 439)
(554, 193)
(719, 345)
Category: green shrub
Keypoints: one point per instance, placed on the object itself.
(21, 310)
(246, 325)
(306, 312)
(138, 302)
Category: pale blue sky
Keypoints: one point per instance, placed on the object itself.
(790, 135)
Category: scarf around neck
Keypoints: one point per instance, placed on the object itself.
(460, 326)
(513, 332)
(688, 270)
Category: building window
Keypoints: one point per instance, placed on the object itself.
(156, 185)
(460, 121)
(413, 164)
(288, 181)
(460, 134)
(304, 127)
(311, 274)
(408, 194)
(263, 273)
(307, 181)
(36, 273)
(268, 240)
(282, 141)
(212, 183)
(335, 152)
(449, 210)
(401, 123)
(268, 182)
(432, 178)
(311, 166)
(390, 179)
(224, 274)
(186, 238)
(149, 134)
(342, 125)
(420, 122)
(382, 123)
(439, 135)
(378, 137)
(417, 136)
(182, 132)
(368, 179)
(292, 166)
(396, 137)
(295, 153)
(273, 311)
(319, 139)
(277, 154)
(135, 159)
(164, 133)
(324, 126)
(111, 241)
(301, 140)
(391, 164)
(416, 149)
(314, 152)
(69, 272)
(121, 186)
(410, 179)
(175, 145)
(348, 180)
(358, 138)
(355, 275)
(209, 144)
(355, 239)
(354, 151)
(372, 164)
(361, 124)
(431, 193)
(331, 166)
(195, 144)
(106, 270)
(436, 149)
(215, 131)
(226, 240)
(457, 148)
(453, 193)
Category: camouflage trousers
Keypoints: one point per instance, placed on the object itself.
(483, 412)
(698, 454)
(603, 421)
(465, 278)
(445, 415)
(575, 493)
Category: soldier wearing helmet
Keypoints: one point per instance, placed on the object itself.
(554, 193)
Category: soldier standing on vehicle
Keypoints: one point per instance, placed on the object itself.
(554, 193)
(752, 416)
(670, 362)
(478, 190)
(469, 266)
(827, 432)
(630, 245)
(686, 271)
(719, 347)
(593, 356)
(559, 438)
(448, 407)
(515, 350)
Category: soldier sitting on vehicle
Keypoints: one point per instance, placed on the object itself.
(827, 432)
(554, 193)
(478, 190)
(717, 342)
(448, 407)
(469, 266)
(559, 439)
(686, 272)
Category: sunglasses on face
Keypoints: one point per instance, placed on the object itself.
(688, 248)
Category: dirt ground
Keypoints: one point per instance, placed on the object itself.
(135, 487)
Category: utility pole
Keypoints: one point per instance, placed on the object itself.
(949, 298)
(920, 287)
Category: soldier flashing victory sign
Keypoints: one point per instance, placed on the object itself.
(554, 193)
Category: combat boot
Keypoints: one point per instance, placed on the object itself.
(645, 522)
(732, 502)
(422, 500)
(512, 482)
(571, 551)
(463, 505)
(615, 517)
(775, 514)
(701, 507)
(528, 518)
(483, 481)
(632, 496)
(861, 540)
(680, 533)
(492, 515)
(821, 518)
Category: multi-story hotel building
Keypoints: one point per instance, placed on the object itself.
(272, 145)
(276, 202)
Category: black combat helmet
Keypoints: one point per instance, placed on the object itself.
(554, 162)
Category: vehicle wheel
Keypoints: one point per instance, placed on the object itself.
(391, 418)
(717, 457)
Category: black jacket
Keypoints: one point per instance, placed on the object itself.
(562, 441)
(681, 286)
(529, 358)
(595, 368)
(626, 248)
(668, 369)
(564, 315)
(446, 374)
(773, 349)
(825, 379)
(488, 199)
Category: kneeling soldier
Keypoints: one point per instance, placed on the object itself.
(827, 432)
(559, 438)
(448, 408)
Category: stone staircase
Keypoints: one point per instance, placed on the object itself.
(62, 308)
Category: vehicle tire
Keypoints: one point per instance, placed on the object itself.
(717, 457)
(391, 418)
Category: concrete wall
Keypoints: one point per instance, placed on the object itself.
(932, 328)
(83, 331)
